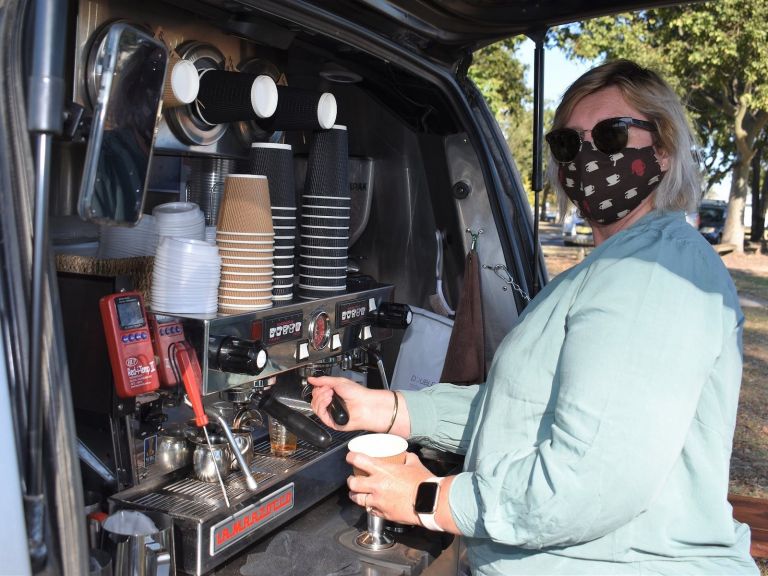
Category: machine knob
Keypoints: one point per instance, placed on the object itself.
(391, 315)
(237, 355)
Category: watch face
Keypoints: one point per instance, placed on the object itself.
(426, 498)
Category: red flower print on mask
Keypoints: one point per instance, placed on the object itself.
(638, 167)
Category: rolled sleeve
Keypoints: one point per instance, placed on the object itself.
(443, 416)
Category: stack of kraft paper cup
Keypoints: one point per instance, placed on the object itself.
(325, 211)
(245, 238)
(275, 161)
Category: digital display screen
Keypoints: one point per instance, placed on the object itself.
(160, 319)
(129, 313)
(351, 312)
(283, 328)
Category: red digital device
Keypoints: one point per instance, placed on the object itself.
(166, 331)
(129, 344)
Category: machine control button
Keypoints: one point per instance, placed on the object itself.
(365, 333)
(125, 338)
(261, 359)
(143, 335)
(302, 351)
(371, 303)
(336, 342)
(177, 329)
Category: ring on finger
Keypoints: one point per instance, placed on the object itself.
(365, 503)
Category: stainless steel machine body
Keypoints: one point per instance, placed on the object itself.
(295, 336)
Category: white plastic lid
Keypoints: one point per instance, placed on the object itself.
(264, 96)
(185, 81)
(326, 110)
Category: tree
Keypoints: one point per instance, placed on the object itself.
(500, 77)
(712, 53)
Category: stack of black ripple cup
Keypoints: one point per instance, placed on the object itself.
(275, 161)
(325, 210)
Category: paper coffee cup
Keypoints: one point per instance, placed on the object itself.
(383, 447)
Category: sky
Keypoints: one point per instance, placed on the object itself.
(559, 72)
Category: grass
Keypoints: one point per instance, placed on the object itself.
(749, 462)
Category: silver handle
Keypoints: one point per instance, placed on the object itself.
(158, 559)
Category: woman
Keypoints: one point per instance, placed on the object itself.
(600, 443)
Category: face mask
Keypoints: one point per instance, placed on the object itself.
(605, 188)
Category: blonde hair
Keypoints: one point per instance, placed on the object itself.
(645, 90)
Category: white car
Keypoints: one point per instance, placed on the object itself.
(576, 231)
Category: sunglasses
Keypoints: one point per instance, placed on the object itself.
(609, 136)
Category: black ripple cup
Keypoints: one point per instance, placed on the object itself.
(301, 109)
(324, 261)
(310, 293)
(275, 161)
(321, 272)
(226, 96)
(327, 165)
(325, 232)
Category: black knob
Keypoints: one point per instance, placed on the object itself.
(338, 410)
(391, 315)
(237, 355)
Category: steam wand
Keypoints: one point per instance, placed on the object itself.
(191, 375)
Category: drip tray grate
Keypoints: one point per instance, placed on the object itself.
(194, 500)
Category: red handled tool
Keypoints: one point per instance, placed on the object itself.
(192, 377)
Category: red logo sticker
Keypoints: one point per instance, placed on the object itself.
(250, 519)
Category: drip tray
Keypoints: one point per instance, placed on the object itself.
(208, 533)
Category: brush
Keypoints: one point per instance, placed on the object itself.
(437, 300)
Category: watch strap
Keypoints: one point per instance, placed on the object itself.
(428, 520)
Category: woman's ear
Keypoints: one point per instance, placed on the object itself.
(663, 159)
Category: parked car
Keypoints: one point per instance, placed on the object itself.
(712, 214)
(576, 231)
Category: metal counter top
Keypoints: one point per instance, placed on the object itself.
(328, 525)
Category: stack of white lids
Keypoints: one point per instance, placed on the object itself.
(180, 220)
(186, 276)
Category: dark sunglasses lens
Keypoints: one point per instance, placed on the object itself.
(564, 143)
(610, 136)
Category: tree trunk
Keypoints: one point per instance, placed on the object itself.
(763, 207)
(758, 201)
(733, 231)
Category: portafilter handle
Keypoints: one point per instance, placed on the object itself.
(301, 425)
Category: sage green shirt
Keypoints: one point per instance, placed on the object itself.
(601, 441)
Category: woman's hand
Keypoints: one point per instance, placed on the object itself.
(389, 490)
(369, 410)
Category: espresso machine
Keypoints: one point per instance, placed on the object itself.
(252, 364)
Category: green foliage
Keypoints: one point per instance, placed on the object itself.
(500, 76)
(712, 53)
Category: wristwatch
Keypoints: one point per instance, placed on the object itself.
(427, 495)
